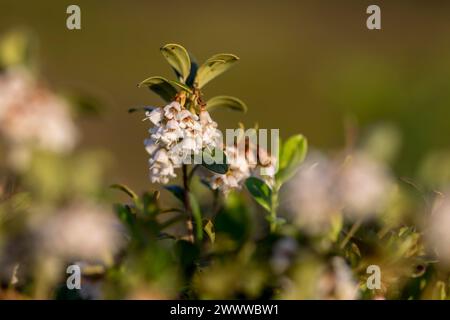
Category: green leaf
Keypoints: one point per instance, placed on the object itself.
(125, 189)
(161, 87)
(177, 191)
(197, 215)
(260, 191)
(220, 167)
(234, 219)
(125, 214)
(180, 85)
(231, 103)
(178, 58)
(209, 229)
(193, 73)
(292, 154)
(213, 67)
(166, 89)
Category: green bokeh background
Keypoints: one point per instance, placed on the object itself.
(306, 66)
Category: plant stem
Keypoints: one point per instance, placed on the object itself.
(351, 233)
(187, 205)
(274, 207)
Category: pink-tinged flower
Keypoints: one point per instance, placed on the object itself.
(438, 231)
(364, 187)
(171, 110)
(309, 195)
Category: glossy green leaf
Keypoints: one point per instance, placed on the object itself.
(193, 72)
(260, 191)
(177, 191)
(292, 154)
(220, 167)
(213, 67)
(228, 102)
(180, 85)
(178, 58)
(161, 87)
(197, 215)
(166, 89)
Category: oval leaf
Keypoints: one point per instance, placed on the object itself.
(177, 191)
(180, 85)
(161, 87)
(213, 67)
(166, 89)
(292, 154)
(215, 161)
(178, 58)
(231, 103)
(260, 191)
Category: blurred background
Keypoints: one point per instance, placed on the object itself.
(306, 66)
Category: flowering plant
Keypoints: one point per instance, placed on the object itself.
(230, 219)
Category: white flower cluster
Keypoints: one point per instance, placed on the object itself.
(31, 115)
(176, 136)
(243, 163)
(359, 187)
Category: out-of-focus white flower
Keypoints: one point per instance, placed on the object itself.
(359, 187)
(83, 231)
(438, 231)
(310, 196)
(364, 186)
(338, 283)
(33, 116)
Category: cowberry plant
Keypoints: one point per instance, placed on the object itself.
(184, 128)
